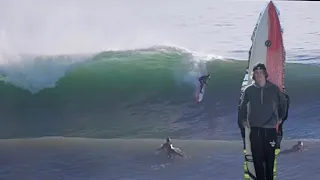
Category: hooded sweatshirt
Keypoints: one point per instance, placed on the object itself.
(262, 106)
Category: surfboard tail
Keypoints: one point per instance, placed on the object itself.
(198, 95)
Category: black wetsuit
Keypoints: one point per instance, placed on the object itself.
(203, 81)
(170, 151)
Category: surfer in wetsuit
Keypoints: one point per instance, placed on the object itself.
(203, 81)
(168, 147)
(296, 148)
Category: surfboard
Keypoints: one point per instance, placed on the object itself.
(267, 47)
(198, 95)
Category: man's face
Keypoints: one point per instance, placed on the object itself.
(259, 75)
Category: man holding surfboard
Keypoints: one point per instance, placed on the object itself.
(263, 106)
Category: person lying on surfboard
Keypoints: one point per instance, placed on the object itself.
(168, 147)
(203, 81)
(296, 148)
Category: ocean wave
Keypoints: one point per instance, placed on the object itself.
(133, 93)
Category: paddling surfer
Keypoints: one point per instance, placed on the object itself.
(168, 147)
(296, 148)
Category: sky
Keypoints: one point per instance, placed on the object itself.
(46, 26)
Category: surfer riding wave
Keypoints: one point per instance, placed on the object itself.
(170, 150)
(203, 80)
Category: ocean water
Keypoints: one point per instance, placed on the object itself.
(90, 91)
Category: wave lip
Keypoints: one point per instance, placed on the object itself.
(37, 72)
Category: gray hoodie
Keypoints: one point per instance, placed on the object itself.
(262, 106)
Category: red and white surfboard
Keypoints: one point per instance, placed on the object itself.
(267, 48)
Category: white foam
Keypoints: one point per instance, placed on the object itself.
(37, 73)
(33, 73)
(197, 68)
